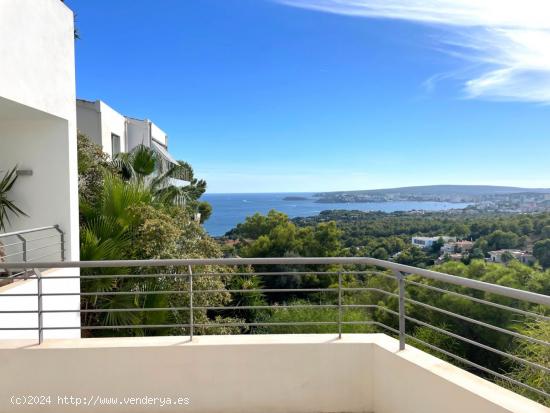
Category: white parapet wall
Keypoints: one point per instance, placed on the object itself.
(241, 374)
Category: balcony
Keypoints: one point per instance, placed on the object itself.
(371, 364)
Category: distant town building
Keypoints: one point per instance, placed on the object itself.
(449, 257)
(522, 256)
(428, 242)
(457, 247)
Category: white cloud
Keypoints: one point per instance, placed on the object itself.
(508, 40)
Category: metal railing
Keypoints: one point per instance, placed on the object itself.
(392, 304)
(31, 245)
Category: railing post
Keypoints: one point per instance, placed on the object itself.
(61, 242)
(191, 318)
(401, 286)
(339, 305)
(24, 245)
(40, 318)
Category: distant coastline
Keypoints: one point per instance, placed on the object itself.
(229, 210)
(296, 198)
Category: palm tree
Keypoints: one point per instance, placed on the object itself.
(142, 165)
(6, 205)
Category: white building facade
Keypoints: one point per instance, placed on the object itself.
(428, 242)
(38, 135)
(118, 133)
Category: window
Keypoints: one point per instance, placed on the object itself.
(115, 144)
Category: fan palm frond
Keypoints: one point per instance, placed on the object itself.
(7, 206)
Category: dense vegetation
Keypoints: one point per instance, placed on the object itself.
(130, 211)
(365, 234)
(381, 235)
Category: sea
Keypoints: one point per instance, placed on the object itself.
(232, 209)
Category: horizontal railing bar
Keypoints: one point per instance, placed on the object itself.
(99, 277)
(103, 276)
(270, 290)
(406, 269)
(27, 231)
(480, 345)
(111, 293)
(383, 274)
(13, 254)
(45, 246)
(25, 311)
(121, 327)
(477, 366)
(12, 244)
(56, 235)
(393, 330)
(23, 275)
(18, 328)
(479, 300)
(34, 265)
(176, 275)
(479, 323)
(152, 309)
(378, 290)
(207, 325)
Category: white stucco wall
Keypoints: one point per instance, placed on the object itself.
(39, 142)
(38, 114)
(88, 120)
(36, 39)
(138, 133)
(38, 128)
(248, 374)
(99, 121)
(159, 135)
(112, 122)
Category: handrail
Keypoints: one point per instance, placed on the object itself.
(27, 244)
(27, 231)
(180, 301)
(509, 292)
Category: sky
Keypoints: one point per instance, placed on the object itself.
(326, 95)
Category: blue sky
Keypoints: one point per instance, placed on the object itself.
(320, 95)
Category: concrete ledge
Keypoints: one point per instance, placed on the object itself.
(271, 373)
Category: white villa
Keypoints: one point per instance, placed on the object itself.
(428, 242)
(522, 256)
(46, 366)
(118, 133)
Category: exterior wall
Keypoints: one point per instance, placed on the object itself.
(275, 374)
(159, 135)
(36, 38)
(99, 121)
(138, 133)
(112, 122)
(38, 126)
(88, 120)
(49, 195)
